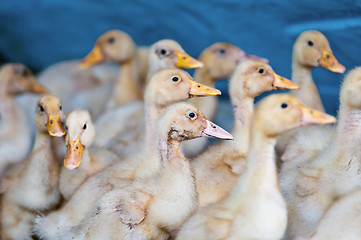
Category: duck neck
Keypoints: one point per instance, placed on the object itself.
(308, 92)
(169, 149)
(261, 173)
(243, 108)
(43, 142)
(126, 88)
(42, 157)
(348, 136)
(4, 80)
(201, 75)
(152, 112)
(208, 104)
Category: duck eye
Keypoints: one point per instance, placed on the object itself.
(84, 126)
(111, 40)
(222, 51)
(192, 115)
(24, 73)
(41, 108)
(61, 107)
(310, 43)
(284, 105)
(175, 79)
(66, 127)
(163, 52)
(261, 70)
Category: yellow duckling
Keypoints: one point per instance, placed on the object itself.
(31, 187)
(15, 129)
(218, 168)
(80, 136)
(310, 50)
(333, 172)
(255, 209)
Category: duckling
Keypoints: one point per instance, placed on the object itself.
(219, 61)
(115, 124)
(310, 50)
(333, 172)
(342, 219)
(80, 137)
(165, 87)
(217, 169)
(15, 130)
(117, 46)
(255, 209)
(31, 186)
(150, 208)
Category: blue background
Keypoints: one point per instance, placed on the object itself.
(39, 33)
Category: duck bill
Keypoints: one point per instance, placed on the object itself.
(198, 89)
(311, 117)
(36, 87)
(94, 57)
(186, 61)
(55, 126)
(281, 83)
(214, 131)
(329, 61)
(74, 154)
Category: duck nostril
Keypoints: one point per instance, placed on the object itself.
(184, 58)
(328, 56)
(51, 122)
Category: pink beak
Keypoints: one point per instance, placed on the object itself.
(214, 131)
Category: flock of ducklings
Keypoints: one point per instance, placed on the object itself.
(115, 168)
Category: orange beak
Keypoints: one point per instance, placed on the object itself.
(186, 61)
(311, 117)
(329, 61)
(55, 126)
(36, 87)
(198, 89)
(94, 57)
(74, 154)
(283, 83)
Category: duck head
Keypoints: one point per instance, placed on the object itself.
(49, 116)
(112, 46)
(172, 85)
(252, 78)
(80, 135)
(184, 121)
(15, 79)
(278, 113)
(312, 49)
(220, 59)
(168, 53)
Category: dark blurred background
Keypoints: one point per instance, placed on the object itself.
(39, 33)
